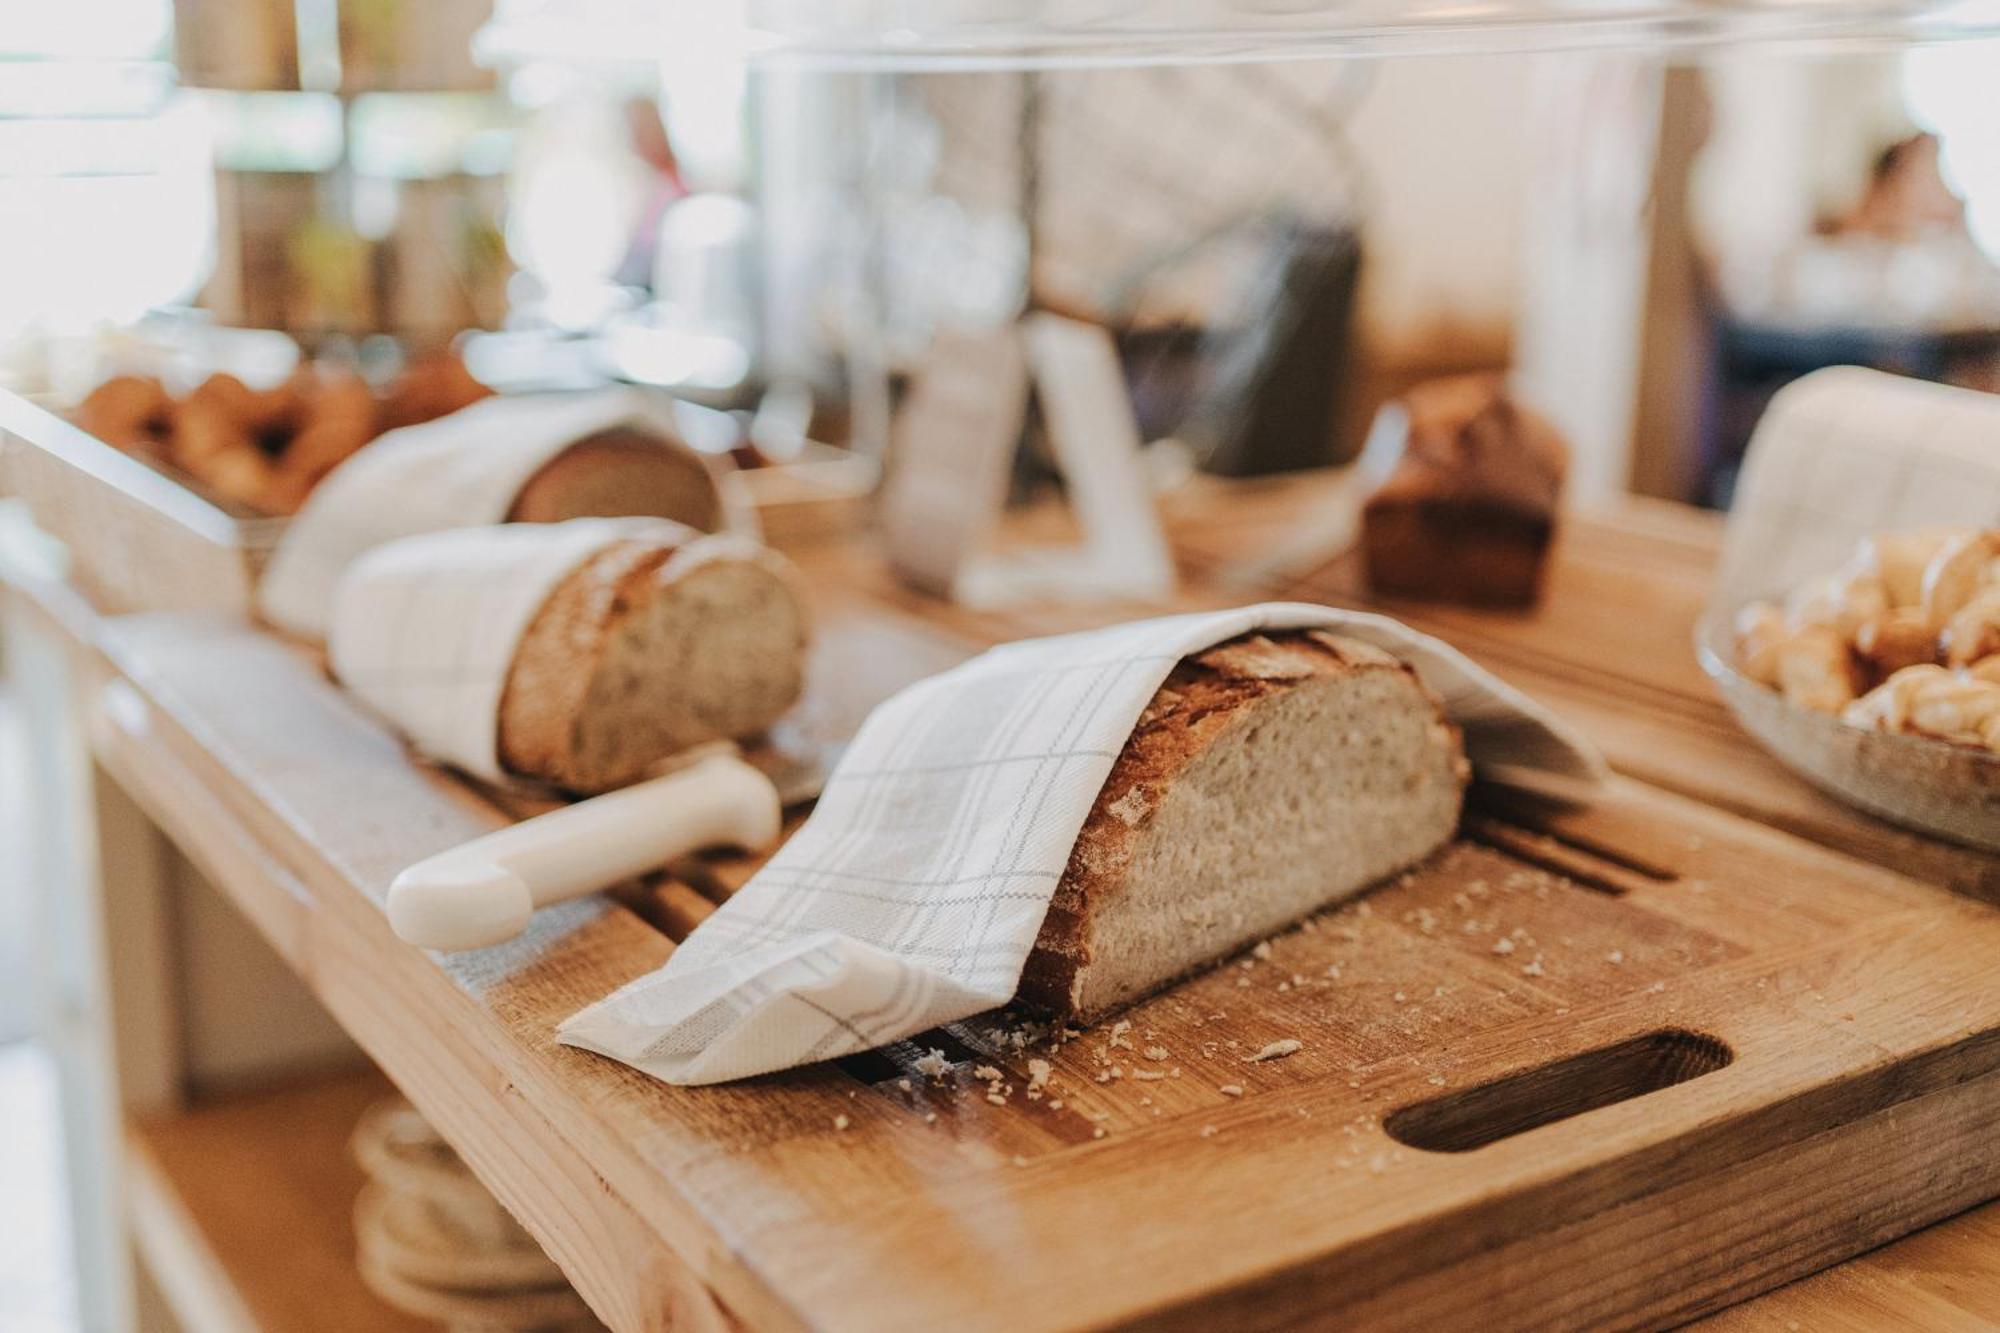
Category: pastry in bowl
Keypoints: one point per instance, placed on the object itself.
(1905, 637)
(1880, 682)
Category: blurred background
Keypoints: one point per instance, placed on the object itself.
(604, 190)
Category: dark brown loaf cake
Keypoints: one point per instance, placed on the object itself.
(618, 473)
(1469, 511)
(1269, 776)
(648, 648)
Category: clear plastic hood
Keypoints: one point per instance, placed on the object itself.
(1025, 34)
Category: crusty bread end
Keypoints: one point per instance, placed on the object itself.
(1270, 776)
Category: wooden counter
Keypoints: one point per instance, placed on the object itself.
(301, 810)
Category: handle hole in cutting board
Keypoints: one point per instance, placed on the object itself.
(1474, 1117)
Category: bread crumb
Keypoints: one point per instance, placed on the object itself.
(1533, 967)
(988, 1073)
(841, 1122)
(1231, 1089)
(996, 1099)
(1263, 949)
(932, 1064)
(1148, 1075)
(1243, 981)
(1399, 997)
(1020, 1160)
(1208, 1131)
(1055, 1103)
(905, 1085)
(1130, 808)
(1615, 956)
(930, 1117)
(1503, 946)
(1039, 1072)
(1276, 1050)
(1118, 1031)
(1333, 971)
(1097, 1133)
(1435, 1080)
(1156, 1053)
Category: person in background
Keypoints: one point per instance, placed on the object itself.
(1906, 198)
(652, 146)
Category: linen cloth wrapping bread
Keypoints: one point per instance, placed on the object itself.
(913, 894)
(454, 472)
(1846, 453)
(424, 629)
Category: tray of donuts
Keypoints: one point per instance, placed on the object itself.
(1879, 681)
(172, 496)
(177, 500)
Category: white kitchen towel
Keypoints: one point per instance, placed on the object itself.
(912, 895)
(1843, 454)
(424, 628)
(454, 472)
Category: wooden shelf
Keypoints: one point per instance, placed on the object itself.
(243, 1210)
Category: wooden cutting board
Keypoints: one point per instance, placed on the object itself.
(1606, 1068)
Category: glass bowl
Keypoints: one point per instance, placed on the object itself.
(1932, 786)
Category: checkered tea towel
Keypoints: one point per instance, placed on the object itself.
(1845, 453)
(912, 895)
(424, 628)
(454, 472)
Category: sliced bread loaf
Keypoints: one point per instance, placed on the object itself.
(649, 647)
(619, 473)
(1269, 776)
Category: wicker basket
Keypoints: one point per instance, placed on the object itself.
(1932, 786)
(433, 1242)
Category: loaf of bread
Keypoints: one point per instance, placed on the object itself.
(649, 647)
(618, 473)
(1270, 776)
(1469, 508)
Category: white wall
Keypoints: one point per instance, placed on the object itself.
(1443, 143)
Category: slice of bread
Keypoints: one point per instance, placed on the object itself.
(1269, 776)
(646, 649)
(621, 473)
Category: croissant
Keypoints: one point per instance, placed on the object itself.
(1887, 706)
(1957, 573)
(1974, 631)
(1930, 701)
(1900, 559)
(1761, 629)
(1896, 639)
(1840, 601)
(1815, 670)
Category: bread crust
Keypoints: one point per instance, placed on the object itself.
(1200, 700)
(558, 661)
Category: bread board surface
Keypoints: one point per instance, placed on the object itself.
(1774, 1058)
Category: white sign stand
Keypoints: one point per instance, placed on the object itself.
(954, 446)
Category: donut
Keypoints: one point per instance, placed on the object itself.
(130, 412)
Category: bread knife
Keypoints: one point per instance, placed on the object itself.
(483, 892)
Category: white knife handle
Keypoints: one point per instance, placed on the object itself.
(484, 891)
